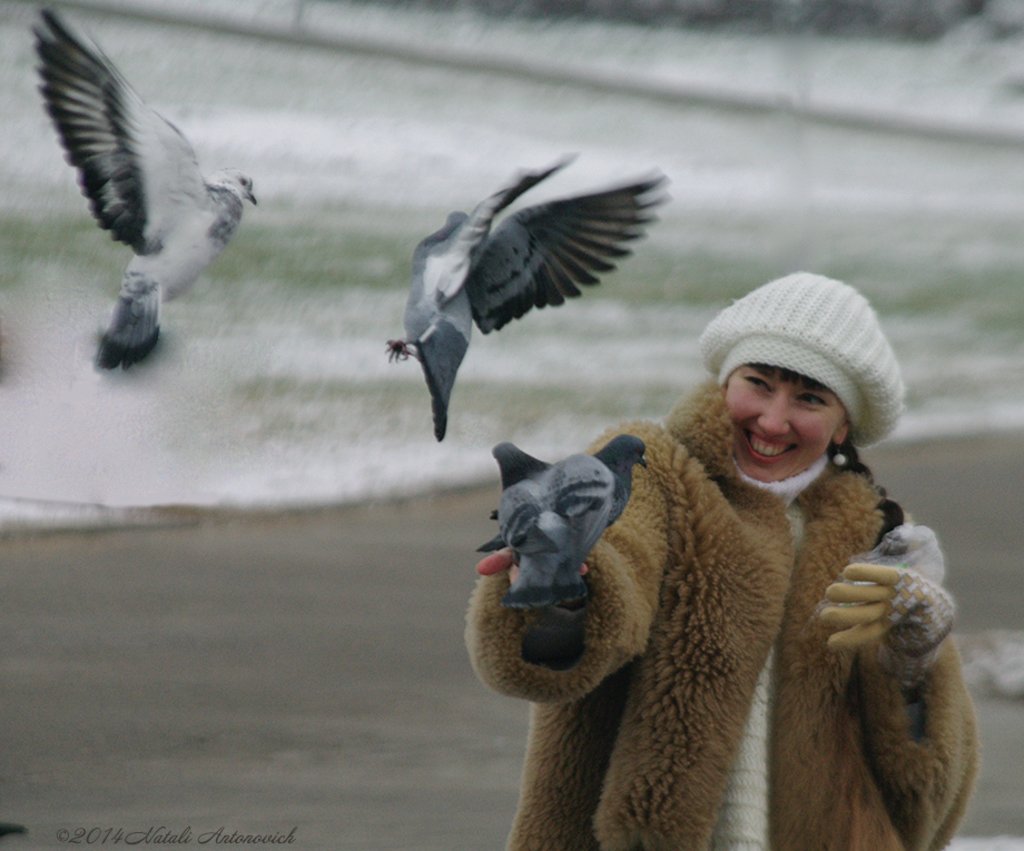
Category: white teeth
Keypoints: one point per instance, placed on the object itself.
(768, 449)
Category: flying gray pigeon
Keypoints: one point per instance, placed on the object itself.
(143, 183)
(535, 257)
(552, 515)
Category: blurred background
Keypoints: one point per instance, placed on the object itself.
(878, 141)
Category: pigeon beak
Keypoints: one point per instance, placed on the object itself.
(642, 461)
(251, 197)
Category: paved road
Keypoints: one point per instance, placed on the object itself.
(307, 671)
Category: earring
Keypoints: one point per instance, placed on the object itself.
(839, 459)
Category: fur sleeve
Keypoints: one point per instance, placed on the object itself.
(624, 577)
(925, 784)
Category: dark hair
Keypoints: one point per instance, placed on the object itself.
(892, 511)
(791, 376)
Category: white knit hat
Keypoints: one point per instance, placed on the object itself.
(820, 328)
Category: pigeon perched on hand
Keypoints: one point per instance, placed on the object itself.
(143, 183)
(552, 515)
(535, 257)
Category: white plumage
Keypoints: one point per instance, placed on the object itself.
(143, 183)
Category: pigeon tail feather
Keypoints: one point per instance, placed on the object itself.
(496, 543)
(516, 465)
(114, 353)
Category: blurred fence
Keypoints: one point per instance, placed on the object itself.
(915, 19)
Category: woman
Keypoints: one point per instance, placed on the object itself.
(733, 681)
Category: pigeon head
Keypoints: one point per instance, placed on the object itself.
(236, 181)
(621, 453)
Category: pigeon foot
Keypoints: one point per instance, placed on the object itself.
(398, 350)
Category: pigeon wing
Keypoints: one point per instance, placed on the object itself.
(474, 231)
(583, 491)
(540, 254)
(134, 326)
(549, 571)
(519, 514)
(619, 455)
(552, 522)
(138, 171)
(441, 350)
(620, 498)
(515, 466)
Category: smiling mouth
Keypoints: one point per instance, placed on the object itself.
(768, 450)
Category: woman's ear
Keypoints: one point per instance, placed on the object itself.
(841, 433)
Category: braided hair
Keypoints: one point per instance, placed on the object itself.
(846, 457)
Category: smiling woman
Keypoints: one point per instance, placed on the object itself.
(747, 671)
(783, 422)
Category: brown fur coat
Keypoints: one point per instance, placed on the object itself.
(690, 589)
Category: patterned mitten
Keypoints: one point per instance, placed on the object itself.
(894, 593)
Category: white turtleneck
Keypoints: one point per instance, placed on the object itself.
(789, 489)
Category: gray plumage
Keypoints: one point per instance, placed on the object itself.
(464, 273)
(143, 183)
(552, 515)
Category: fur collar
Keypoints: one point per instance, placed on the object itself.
(701, 423)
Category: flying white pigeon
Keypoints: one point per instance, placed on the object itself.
(552, 515)
(535, 257)
(143, 183)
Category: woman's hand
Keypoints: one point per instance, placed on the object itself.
(496, 562)
(907, 613)
(861, 605)
(505, 559)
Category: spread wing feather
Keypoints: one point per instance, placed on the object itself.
(476, 228)
(540, 254)
(138, 171)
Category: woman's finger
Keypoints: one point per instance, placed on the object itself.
(847, 592)
(850, 639)
(880, 573)
(853, 615)
(495, 562)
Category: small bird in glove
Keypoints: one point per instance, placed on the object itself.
(894, 595)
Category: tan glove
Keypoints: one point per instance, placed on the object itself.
(898, 606)
(862, 605)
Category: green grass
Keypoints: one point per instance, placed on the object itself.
(337, 251)
(936, 264)
(28, 245)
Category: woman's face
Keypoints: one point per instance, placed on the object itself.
(780, 427)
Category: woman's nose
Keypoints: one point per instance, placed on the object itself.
(774, 418)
